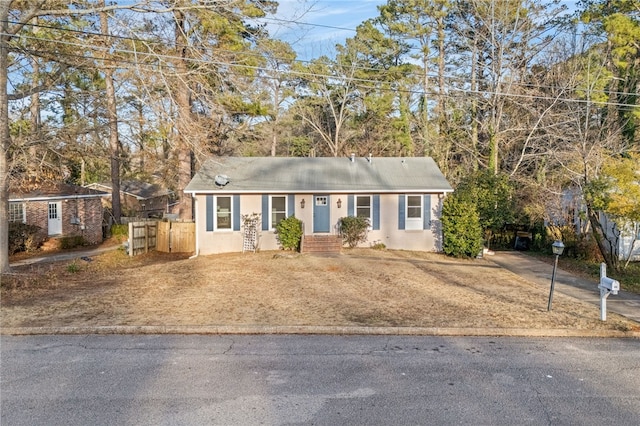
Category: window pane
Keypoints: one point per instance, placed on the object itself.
(278, 210)
(364, 201)
(53, 211)
(414, 206)
(16, 213)
(363, 207)
(278, 204)
(223, 212)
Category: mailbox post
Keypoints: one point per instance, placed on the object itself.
(607, 286)
(557, 247)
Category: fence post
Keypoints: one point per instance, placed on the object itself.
(131, 239)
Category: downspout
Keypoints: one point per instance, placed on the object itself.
(195, 216)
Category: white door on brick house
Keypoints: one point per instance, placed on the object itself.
(55, 218)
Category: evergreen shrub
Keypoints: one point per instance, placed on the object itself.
(24, 237)
(289, 233)
(72, 242)
(354, 230)
(461, 228)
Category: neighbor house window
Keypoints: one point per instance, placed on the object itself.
(278, 209)
(414, 212)
(16, 212)
(223, 213)
(363, 207)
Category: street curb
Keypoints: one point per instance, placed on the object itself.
(318, 330)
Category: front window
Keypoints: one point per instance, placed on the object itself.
(278, 210)
(363, 207)
(16, 212)
(223, 212)
(414, 212)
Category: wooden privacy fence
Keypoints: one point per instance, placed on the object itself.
(168, 237)
(142, 237)
(176, 237)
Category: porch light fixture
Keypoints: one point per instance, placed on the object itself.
(302, 203)
(557, 248)
(339, 203)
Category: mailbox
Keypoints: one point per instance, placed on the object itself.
(610, 284)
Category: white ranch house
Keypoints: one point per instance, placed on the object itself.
(401, 197)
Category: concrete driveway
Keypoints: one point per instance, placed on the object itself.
(538, 272)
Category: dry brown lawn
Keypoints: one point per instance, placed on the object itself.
(361, 287)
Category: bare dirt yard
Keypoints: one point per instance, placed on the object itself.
(360, 287)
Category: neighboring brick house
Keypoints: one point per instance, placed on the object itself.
(60, 210)
(140, 199)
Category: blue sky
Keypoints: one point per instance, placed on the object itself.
(314, 27)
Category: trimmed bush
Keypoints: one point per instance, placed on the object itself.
(72, 242)
(23, 237)
(461, 228)
(289, 233)
(354, 230)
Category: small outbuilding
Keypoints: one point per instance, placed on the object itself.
(401, 197)
(59, 209)
(140, 199)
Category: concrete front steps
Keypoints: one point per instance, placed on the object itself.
(321, 244)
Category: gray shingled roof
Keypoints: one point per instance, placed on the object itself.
(52, 190)
(319, 175)
(139, 189)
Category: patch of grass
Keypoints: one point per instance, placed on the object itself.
(630, 278)
(73, 267)
(378, 246)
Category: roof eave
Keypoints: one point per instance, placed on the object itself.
(57, 197)
(319, 191)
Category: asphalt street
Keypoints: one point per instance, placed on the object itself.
(317, 380)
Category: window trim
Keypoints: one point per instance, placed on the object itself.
(355, 208)
(22, 210)
(285, 211)
(215, 213)
(414, 223)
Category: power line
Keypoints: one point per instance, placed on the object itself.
(363, 84)
(169, 57)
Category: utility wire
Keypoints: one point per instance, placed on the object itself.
(362, 81)
(374, 84)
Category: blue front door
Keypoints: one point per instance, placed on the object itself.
(321, 216)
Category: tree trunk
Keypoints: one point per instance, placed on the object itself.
(608, 248)
(34, 111)
(183, 101)
(112, 116)
(474, 105)
(5, 139)
(425, 106)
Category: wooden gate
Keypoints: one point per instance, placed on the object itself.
(176, 237)
(142, 237)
